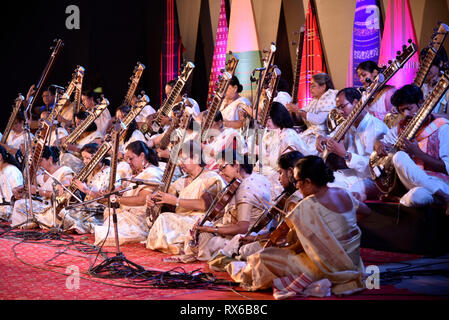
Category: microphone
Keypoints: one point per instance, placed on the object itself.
(56, 86)
(259, 69)
(141, 182)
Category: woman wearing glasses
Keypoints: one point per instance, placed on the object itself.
(191, 195)
(328, 245)
(131, 214)
(315, 113)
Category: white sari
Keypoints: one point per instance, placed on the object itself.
(131, 223)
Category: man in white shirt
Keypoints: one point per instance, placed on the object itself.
(356, 148)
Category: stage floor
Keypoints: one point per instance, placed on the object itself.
(49, 270)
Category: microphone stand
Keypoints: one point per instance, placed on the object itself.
(56, 227)
(73, 206)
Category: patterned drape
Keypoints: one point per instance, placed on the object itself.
(221, 43)
(399, 28)
(171, 48)
(366, 38)
(312, 61)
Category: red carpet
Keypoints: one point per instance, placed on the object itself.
(42, 271)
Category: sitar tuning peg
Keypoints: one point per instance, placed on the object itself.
(390, 62)
(410, 41)
(398, 53)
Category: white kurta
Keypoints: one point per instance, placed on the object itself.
(131, 223)
(421, 186)
(42, 210)
(274, 144)
(283, 97)
(360, 143)
(317, 113)
(10, 178)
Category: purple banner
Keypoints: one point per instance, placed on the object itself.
(366, 37)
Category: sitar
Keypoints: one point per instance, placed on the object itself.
(381, 167)
(155, 211)
(335, 162)
(219, 95)
(31, 100)
(169, 103)
(12, 118)
(437, 40)
(432, 49)
(79, 130)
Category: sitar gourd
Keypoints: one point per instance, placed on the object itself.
(381, 167)
(335, 162)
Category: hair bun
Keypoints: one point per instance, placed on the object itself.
(329, 174)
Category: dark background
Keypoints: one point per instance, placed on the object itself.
(113, 37)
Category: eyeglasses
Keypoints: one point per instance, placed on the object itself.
(341, 106)
(223, 166)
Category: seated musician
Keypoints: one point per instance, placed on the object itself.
(84, 219)
(235, 108)
(131, 215)
(437, 67)
(192, 196)
(89, 99)
(16, 138)
(285, 201)
(221, 138)
(280, 138)
(43, 190)
(381, 105)
(328, 238)
(72, 156)
(315, 113)
(146, 111)
(423, 164)
(10, 178)
(240, 213)
(57, 132)
(358, 144)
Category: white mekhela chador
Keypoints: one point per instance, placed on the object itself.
(253, 189)
(228, 139)
(131, 223)
(102, 121)
(317, 112)
(84, 219)
(42, 210)
(230, 112)
(171, 230)
(57, 133)
(74, 161)
(15, 140)
(10, 178)
(275, 143)
(331, 250)
(360, 143)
